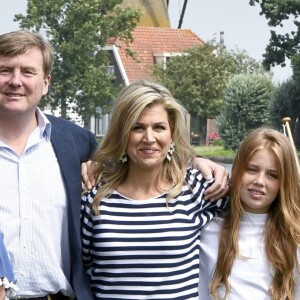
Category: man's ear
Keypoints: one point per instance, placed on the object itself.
(47, 80)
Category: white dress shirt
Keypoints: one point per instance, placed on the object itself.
(33, 215)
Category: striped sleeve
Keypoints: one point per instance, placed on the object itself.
(87, 226)
(197, 185)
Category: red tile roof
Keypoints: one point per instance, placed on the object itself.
(149, 40)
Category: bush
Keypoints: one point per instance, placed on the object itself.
(247, 98)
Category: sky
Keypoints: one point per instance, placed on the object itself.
(243, 27)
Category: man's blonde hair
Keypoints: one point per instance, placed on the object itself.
(19, 42)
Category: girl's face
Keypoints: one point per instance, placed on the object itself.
(149, 139)
(260, 182)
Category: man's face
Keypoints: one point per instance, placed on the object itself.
(22, 82)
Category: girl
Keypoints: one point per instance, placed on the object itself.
(252, 252)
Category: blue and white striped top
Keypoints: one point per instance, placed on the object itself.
(146, 249)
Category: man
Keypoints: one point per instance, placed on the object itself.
(40, 159)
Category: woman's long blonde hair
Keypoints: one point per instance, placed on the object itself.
(282, 228)
(131, 101)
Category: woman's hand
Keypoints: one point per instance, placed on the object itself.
(88, 180)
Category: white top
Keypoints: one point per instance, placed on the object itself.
(251, 275)
(146, 249)
(33, 215)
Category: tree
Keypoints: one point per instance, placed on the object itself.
(286, 103)
(296, 70)
(247, 99)
(199, 76)
(281, 46)
(78, 30)
(296, 67)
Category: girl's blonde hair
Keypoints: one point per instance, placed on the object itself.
(131, 101)
(282, 228)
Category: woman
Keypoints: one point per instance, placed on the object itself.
(257, 254)
(141, 223)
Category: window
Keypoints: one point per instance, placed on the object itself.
(164, 57)
(110, 70)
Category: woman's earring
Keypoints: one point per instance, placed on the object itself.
(123, 158)
(171, 151)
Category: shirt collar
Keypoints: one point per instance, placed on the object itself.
(44, 124)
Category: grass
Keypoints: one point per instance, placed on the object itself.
(218, 153)
(215, 152)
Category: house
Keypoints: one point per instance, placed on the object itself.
(152, 45)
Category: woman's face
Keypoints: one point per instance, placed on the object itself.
(150, 138)
(260, 182)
